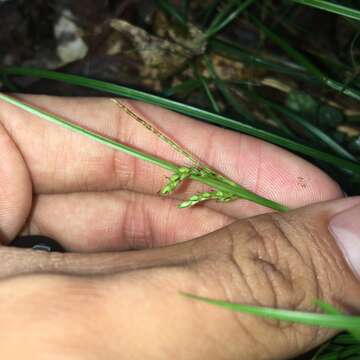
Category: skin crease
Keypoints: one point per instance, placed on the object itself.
(102, 301)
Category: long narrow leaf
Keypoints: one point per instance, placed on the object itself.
(305, 62)
(312, 129)
(184, 109)
(209, 95)
(329, 309)
(226, 92)
(88, 133)
(213, 182)
(183, 88)
(314, 319)
(332, 7)
(234, 52)
(218, 26)
(169, 8)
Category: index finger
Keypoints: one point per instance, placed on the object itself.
(60, 161)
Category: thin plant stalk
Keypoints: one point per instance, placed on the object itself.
(220, 22)
(187, 110)
(332, 7)
(305, 62)
(158, 133)
(203, 175)
(206, 172)
(334, 321)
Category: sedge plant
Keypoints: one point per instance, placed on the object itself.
(223, 189)
(297, 66)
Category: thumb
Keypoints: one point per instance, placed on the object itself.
(287, 260)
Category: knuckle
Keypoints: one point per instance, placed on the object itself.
(136, 226)
(123, 170)
(123, 167)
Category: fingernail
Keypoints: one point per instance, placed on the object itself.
(345, 228)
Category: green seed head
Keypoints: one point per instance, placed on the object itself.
(174, 181)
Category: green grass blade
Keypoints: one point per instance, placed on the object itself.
(312, 130)
(209, 95)
(184, 109)
(333, 355)
(170, 9)
(88, 133)
(329, 309)
(345, 339)
(306, 63)
(8, 84)
(226, 8)
(280, 124)
(351, 353)
(232, 51)
(209, 12)
(292, 52)
(223, 20)
(215, 183)
(225, 91)
(313, 319)
(319, 355)
(331, 7)
(183, 88)
(240, 191)
(184, 9)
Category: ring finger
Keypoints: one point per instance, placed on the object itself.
(118, 220)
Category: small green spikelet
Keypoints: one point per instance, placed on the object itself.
(197, 171)
(177, 177)
(209, 195)
(225, 197)
(184, 173)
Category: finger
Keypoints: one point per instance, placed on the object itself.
(277, 260)
(61, 161)
(118, 220)
(15, 188)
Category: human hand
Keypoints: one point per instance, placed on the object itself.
(103, 303)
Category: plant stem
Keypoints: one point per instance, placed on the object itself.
(208, 178)
(158, 133)
(240, 191)
(338, 9)
(222, 20)
(88, 133)
(307, 318)
(187, 110)
(305, 62)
